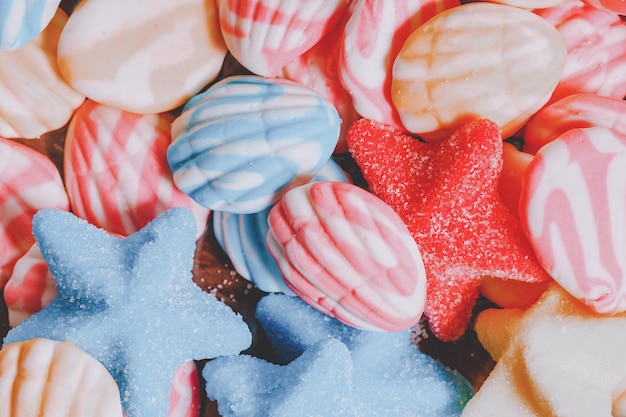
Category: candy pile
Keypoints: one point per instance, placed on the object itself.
(371, 169)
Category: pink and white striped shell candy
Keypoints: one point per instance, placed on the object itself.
(265, 35)
(116, 172)
(573, 111)
(34, 96)
(143, 56)
(573, 211)
(185, 393)
(372, 39)
(240, 145)
(30, 288)
(29, 181)
(612, 6)
(21, 21)
(596, 57)
(349, 255)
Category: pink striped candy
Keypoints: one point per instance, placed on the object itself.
(29, 181)
(265, 35)
(576, 110)
(372, 39)
(612, 6)
(34, 96)
(573, 209)
(185, 394)
(596, 57)
(349, 255)
(116, 173)
(30, 288)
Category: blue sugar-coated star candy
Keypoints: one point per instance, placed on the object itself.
(317, 383)
(131, 303)
(391, 375)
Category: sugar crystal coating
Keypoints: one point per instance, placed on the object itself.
(131, 303)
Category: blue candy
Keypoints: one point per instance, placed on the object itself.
(238, 146)
(21, 21)
(131, 303)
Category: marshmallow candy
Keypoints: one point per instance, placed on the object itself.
(573, 211)
(478, 60)
(144, 56)
(349, 255)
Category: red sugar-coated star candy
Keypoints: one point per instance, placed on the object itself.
(447, 194)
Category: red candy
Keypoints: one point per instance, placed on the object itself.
(116, 172)
(446, 193)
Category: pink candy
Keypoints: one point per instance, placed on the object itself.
(349, 255)
(116, 172)
(573, 210)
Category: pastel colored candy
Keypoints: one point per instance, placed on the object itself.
(348, 254)
(21, 21)
(242, 237)
(478, 60)
(573, 111)
(241, 144)
(572, 210)
(514, 164)
(29, 181)
(116, 171)
(144, 56)
(49, 378)
(613, 6)
(34, 97)
(529, 4)
(557, 358)
(265, 35)
(30, 288)
(371, 42)
(131, 303)
(185, 394)
(594, 40)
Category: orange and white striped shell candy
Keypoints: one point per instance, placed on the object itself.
(30, 288)
(349, 255)
(34, 96)
(143, 56)
(265, 35)
(116, 172)
(372, 39)
(477, 60)
(49, 378)
(596, 57)
(570, 112)
(573, 212)
(29, 181)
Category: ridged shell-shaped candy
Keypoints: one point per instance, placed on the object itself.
(265, 35)
(478, 60)
(143, 56)
(596, 57)
(21, 21)
(238, 146)
(371, 41)
(185, 394)
(116, 172)
(49, 378)
(348, 254)
(34, 96)
(570, 112)
(242, 237)
(573, 210)
(29, 181)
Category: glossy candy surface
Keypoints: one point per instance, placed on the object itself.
(21, 21)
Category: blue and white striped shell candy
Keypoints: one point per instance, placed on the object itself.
(242, 237)
(21, 21)
(239, 146)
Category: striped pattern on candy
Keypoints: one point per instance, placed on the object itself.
(572, 208)
(573, 111)
(265, 35)
(44, 377)
(34, 96)
(185, 395)
(348, 254)
(596, 58)
(238, 146)
(21, 21)
(372, 39)
(29, 182)
(116, 173)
